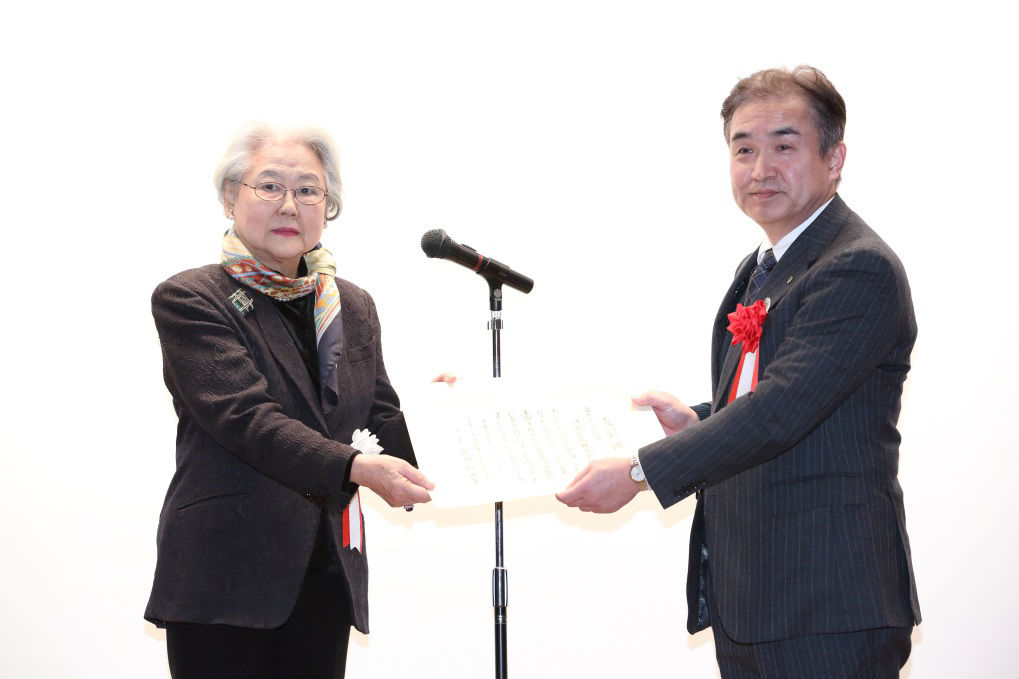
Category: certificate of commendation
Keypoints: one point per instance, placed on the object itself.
(492, 440)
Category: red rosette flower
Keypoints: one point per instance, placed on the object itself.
(746, 323)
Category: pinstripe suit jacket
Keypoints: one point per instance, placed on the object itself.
(258, 455)
(799, 511)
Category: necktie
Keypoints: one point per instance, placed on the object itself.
(760, 274)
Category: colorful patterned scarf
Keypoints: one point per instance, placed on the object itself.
(248, 271)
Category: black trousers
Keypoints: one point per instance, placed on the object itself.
(867, 654)
(311, 644)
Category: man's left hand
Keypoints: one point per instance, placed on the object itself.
(603, 487)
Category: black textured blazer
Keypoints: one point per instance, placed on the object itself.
(258, 455)
(799, 506)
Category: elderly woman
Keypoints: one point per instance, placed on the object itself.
(273, 364)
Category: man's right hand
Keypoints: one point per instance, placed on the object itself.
(673, 414)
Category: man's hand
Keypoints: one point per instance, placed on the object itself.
(673, 414)
(603, 487)
(392, 479)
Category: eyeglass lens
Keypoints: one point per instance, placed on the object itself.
(308, 195)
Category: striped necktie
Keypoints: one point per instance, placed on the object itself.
(760, 274)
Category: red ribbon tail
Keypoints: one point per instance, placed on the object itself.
(739, 373)
(346, 527)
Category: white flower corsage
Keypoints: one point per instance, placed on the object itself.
(366, 442)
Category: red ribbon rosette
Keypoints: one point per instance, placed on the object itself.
(746, 324)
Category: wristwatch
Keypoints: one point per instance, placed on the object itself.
(637, 474)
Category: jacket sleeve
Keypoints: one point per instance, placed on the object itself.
(213, 377)
(702, 410)
(849, 317)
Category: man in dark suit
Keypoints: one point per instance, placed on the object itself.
(799, 557)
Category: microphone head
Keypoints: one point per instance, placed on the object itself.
(436, 243)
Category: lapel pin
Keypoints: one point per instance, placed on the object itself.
(789, 280)
(242, 302)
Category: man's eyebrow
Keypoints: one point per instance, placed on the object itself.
(780, 132)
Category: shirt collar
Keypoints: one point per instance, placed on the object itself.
(779, 248)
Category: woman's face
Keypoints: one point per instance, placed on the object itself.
(279, 232)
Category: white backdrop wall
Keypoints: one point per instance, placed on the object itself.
(577, 141)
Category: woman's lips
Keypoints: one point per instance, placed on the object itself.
(285, 232)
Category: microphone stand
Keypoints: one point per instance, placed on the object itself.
(500, 576)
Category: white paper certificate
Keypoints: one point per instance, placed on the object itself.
(493, 440)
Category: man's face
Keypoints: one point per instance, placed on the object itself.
(779, 177)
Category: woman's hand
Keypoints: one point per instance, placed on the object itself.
(392, 479)
(673, 414)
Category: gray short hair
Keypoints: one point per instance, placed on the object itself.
(827, 108)
(236, 160)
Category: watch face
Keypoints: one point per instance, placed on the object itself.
(636, 473)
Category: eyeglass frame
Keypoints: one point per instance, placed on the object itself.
(325, 193)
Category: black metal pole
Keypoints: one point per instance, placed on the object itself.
(500, 587)
(500, 576)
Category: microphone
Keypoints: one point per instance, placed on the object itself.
(436, 243)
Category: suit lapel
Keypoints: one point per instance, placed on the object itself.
(281, 345)
(724, 356)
